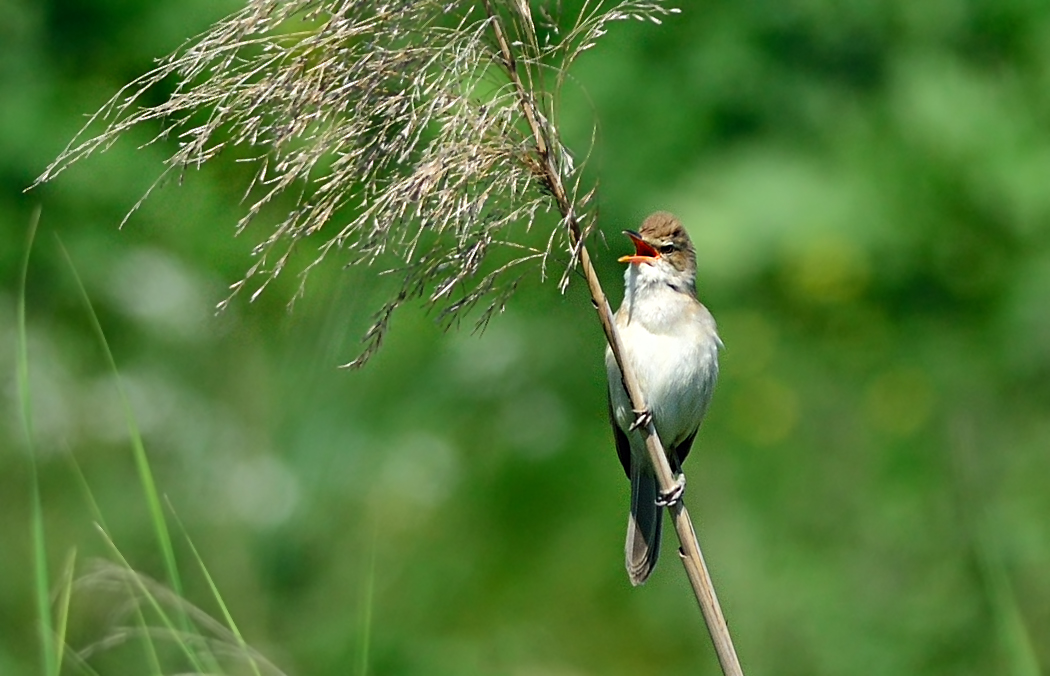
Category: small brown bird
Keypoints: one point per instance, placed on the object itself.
(671, 343)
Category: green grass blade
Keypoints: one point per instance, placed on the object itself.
(1014, 636)
(100, 523)
(367, 604)
(96, 512)
(149, 486)
(181, 627)
(227, 616)
(41, 586)
(79, 664)
(157, 608)
(63, 607)
(151, 650)
(41, 589)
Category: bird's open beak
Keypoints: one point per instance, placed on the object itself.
(643, 252)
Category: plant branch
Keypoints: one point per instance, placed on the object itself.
(692, 557)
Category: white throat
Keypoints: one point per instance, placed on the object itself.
(654, 294)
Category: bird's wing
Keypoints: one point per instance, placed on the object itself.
(676, 456)
(623, 446)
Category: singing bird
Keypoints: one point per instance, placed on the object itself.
(671, 344)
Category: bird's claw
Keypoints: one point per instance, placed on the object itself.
(641, 419)
(671, 497)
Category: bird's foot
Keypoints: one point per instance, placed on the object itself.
(671, 497)
(641, 419)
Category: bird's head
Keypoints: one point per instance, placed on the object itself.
(663, 243)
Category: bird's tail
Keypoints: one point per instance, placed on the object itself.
(643, 525)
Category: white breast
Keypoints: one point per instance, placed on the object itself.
(671, 344)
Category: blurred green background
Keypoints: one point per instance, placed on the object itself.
(868, 186)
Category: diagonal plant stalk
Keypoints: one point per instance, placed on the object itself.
(691, 555)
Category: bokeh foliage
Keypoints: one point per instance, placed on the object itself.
(866, 184)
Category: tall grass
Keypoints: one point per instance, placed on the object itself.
(49, 646)
(161, 616)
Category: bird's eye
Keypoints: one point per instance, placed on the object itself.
(667, 248)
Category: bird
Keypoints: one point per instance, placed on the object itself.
(670, 342)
